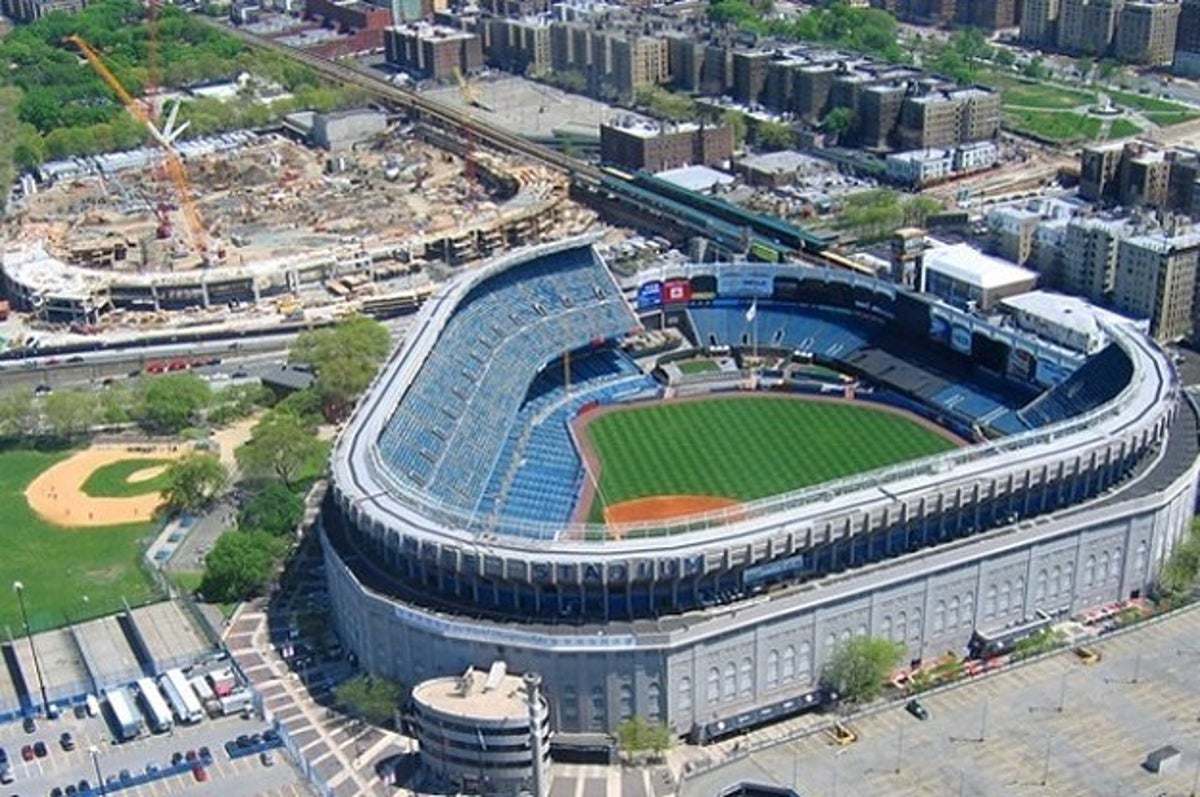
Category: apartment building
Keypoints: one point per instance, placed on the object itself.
(1039, 22)
(1087, 27)
(433, 52)
(521, 46)
(1146, 33)
(656, 147)
(1089, 256)
(1156, 280)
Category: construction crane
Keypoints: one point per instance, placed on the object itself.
(165, 138)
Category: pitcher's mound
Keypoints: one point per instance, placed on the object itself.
(663, 507)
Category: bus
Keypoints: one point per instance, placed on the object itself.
(153, 706)
(183, 698)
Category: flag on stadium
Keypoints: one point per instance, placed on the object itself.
(482, 744)
(753, 311)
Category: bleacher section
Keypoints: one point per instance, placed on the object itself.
(538, 474)
(825, 332)
(509, 325)
(942, 382)
(1098, 381)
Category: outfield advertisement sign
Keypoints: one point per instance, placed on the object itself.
(748, 284)
(650, 295)
(1021, 365)
(677, 291)
(960, 339)
(939, 328)
(1050, 373)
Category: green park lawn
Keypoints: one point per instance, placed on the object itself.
(747, 447)
(112, 480)
(1018, 93)
(1058, 126)
(67, 573)
(1123, 128)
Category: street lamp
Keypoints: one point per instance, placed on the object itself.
(19, 588)
(95, 753)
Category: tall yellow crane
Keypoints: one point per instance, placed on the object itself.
(171, 161)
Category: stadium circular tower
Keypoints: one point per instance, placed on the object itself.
(466, 517)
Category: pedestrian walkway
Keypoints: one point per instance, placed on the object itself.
(339, 753)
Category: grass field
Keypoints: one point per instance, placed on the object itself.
(1062, 127)
(696, 366)
(1027, 94)
(1123, 128)
(112, 481)
(58, 566)
(745, 448)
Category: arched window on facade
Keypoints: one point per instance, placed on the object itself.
(1089, 571)
(939, 617)
(968, 612)
(804, 664)
(653, 703)
(989, 602)
(952, 614)
(1039, 586)
(746, 678)
(713, 692)
(685, 694)
(599, 711)
(729, 687)
(772, 669)
(570, 703)
(626, 701)
(789, 664)
(885, 626)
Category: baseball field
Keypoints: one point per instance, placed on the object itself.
(73, 526)
(678, 457)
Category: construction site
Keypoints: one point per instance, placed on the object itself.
(266, 226)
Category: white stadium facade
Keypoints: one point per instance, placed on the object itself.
(452, 538)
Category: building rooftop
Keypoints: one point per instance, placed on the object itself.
(920, 155)
(1069, 312)
(695, 178)
(475, 694)
(1164, 243)
(647, 129)
(967, 264)
(784, 160)
(426, 30)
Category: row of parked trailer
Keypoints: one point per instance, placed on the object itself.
(172, 699)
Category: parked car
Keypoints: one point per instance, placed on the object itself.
(915, 708)
(266, 758)
(67, 740)
(39, 749)
(27, 753)
(206, 755)
(200, 774)
(29, 725)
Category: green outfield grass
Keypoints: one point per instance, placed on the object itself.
(696, 366)
(112, 480)
(60, 567)
(745, 448)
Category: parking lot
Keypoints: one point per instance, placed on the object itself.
(59, 767)
(1056, 726)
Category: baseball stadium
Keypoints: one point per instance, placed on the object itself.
(675, 498)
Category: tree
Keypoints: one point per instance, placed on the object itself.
(635, 735)
(344, 358)
(16, 412)
(370, 698)
(918, 209)
(774, 136)
(68, 413)
(281, 447)
(275, 509)
(859, 668)
(1085, 66)
(194, 480)
(838, 122)
(239, 566)
(737, 122)
(173, 401)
